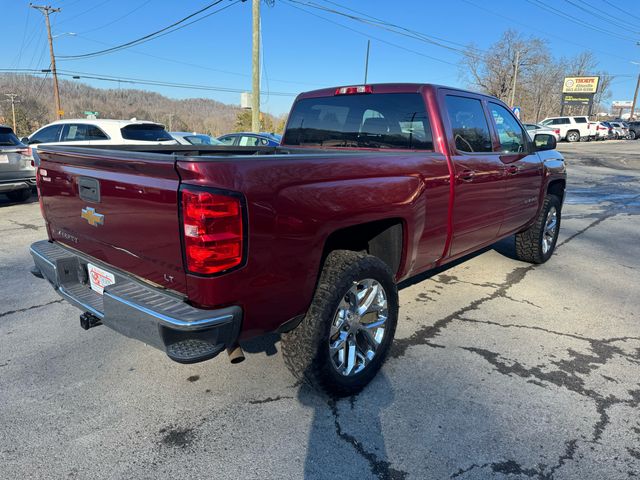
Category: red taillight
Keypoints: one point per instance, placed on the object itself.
(557, 131)
(213, 231)
(354, 90)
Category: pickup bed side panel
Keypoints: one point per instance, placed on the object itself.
(295, 202)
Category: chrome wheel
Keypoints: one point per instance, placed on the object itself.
(550, 230)
(358, 327)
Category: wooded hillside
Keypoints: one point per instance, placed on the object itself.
(194, 114)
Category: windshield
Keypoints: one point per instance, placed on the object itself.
(149, 132)
(387, 120)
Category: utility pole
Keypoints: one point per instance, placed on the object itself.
(12, 99)
(255, 96)
(635, 98)
(366, 62)
(515, 78)
(46, 11)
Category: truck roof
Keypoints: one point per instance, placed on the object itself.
(386, 88)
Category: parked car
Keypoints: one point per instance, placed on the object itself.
(535, 128)
(572, 129)
(17, 175)
(100, 132)
(308, 239)
(620, 129)
(193, 138)
(601, 131)
(634, 130)
(248, 139)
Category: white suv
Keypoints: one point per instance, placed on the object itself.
(100, 132)
(572, 129)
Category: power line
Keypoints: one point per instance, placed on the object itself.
(143, 4)
(153, 35)
(619, 9)
(366, 35)
(594, 12)
(390, 27)
(195, 65)
(591, 26)
(141, 81)
(542, 32)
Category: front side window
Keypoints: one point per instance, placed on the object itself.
(47, 135)
(469, 124)
(227, 140)
(201, 140)
(512, 139)
(385, 120)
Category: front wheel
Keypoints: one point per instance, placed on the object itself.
(537, 243)
(346, 334)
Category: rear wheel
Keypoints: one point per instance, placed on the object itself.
(573, 136)
(632, 135)
(20, 195)
(347, 332)
(537, 243)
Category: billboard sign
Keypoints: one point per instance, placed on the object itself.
(622, 104)
(580, 84)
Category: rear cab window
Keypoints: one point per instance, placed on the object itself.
(149, 132)
(370, 120)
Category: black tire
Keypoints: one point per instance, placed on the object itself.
(573, 136)
(306, 348)
(632, 135)
(530, 242)
(20, 195)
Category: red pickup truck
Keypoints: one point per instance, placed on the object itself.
(195, 249)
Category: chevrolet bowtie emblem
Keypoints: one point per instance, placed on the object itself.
(90, 215)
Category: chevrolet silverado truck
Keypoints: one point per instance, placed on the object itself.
(194, 249)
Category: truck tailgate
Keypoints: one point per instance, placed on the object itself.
(119, 210)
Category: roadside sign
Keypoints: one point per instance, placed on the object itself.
(622, 104)
(516, 112)
(580, 84)
(61, 112)
(583, 99)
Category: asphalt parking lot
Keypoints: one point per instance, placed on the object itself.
(499, 370)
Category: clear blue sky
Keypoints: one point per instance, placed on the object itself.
(303, 51)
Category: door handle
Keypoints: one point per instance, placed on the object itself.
(512, 170)
(466, 175)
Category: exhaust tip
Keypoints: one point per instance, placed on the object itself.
(236, 354)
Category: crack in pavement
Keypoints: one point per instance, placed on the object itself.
(26, 226)
(566, 377)
(20, 310)
(380, 468)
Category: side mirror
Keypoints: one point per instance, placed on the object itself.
(25, 140)
(544, 141)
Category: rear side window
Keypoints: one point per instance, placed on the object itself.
(385, 120)
(76, 132)
(47, 135)
(510, 133)
(148, 132)
(580, 119)
(469, 124)
(8, 138)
